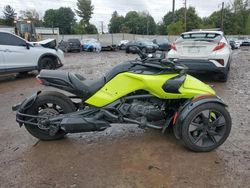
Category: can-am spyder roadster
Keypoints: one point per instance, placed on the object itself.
(151, 92)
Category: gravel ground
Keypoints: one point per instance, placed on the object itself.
(123, 156)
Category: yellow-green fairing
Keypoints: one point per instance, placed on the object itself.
(126, 83)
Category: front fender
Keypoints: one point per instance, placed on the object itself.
(25, 105)
(187, 107)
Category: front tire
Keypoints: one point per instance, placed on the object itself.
(49, 104)
(47, 63)
(206, 127)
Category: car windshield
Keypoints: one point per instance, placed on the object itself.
(74, 40)
(209, 37)
(162, 41)
(146, 42)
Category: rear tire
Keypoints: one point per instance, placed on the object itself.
(46, 98)
(206, 127)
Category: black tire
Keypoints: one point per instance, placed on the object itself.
(47, 63)
(49, 97)
(127, 50)
(205, 137)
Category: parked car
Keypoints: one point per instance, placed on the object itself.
(122, 44)
(203, 51)
(91, 45)
(163, 44)
(232, 44)
(145, 45)
(19, 55)
(106, 46)
(70, 45)
(245, 42)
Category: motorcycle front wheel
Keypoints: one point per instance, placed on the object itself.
(49, 104)
(206, 127)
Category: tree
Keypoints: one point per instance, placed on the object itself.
(116, 23)
(33, 15)
(85, 10)
(64, 18)
(82, 28)
(9, 15)
(139, 23)
(175, 28)
(131, 21)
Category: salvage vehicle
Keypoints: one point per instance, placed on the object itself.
(146, 46)
(70, 45)
(150, 92)
(91, 45)
(20, 56)
(203, 51)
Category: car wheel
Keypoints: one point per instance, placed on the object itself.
(127, 50)
(47, 63)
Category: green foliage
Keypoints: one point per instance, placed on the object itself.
(85, 10)
(64, 18)
(161, 29)
(193, 20)
(134, 22)
(9, 15)
(175, 28)
(82, 28)
(116, 23)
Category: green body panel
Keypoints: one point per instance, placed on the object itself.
(126, 83)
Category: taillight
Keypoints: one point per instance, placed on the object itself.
(219, 46)
(173, 47)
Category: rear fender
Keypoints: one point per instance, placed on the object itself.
(187, 107)
(25, 105)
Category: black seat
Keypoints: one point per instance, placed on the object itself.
(73, 83)
(86, 86)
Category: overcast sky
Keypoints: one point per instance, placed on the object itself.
(104, 8)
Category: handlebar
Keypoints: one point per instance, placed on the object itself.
(164, 62)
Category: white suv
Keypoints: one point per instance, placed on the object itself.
(19, 55)
(203, 51)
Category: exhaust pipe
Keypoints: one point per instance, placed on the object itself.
(81, 124)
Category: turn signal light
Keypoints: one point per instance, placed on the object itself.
(219, 46)
(173, 47)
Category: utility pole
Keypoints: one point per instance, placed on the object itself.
(222, 16)
(102, 26)
(173, 10)
(147, 27)
(185, 16)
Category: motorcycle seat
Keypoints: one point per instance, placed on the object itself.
(73, 83)
(88, 87)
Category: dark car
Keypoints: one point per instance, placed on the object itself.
(163, 44)
(245, 42)
(232, 44)
(70, 45)
(145, 46)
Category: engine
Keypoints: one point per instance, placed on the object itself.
(149, 109)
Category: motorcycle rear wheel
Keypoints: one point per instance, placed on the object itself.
(206, 127)
(49, 104)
